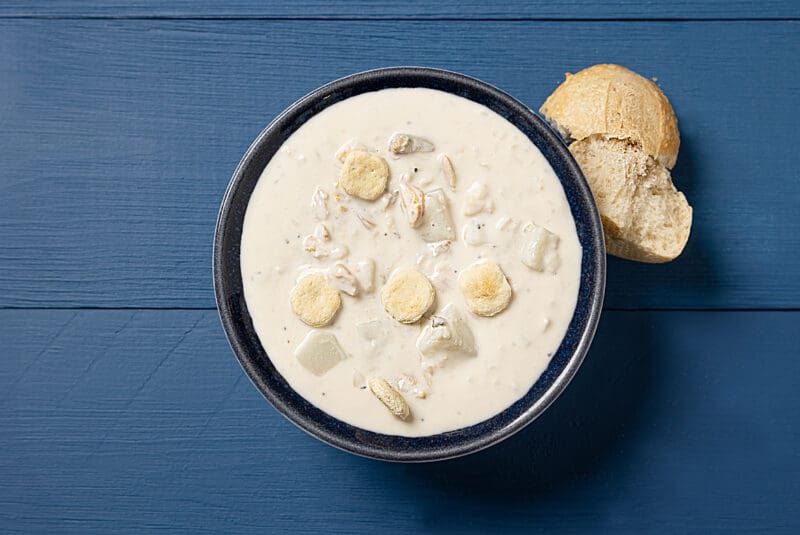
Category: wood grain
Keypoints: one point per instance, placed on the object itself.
(132, 421)
(118, 139)
(424, 9)
(119, 129)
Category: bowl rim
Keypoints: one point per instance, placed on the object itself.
(244, 342)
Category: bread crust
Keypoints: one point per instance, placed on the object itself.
(612, 100)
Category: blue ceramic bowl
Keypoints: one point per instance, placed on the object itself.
(255, 361)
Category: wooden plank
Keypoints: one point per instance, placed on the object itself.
(118, 139)
(132, 421)
(418, 9)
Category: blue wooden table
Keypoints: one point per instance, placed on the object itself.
(122, 408)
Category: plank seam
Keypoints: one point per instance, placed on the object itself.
(387, 19)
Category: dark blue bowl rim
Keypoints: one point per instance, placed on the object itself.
(254, 359)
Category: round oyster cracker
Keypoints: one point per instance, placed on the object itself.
(407, 295)
(485, 288)
(364, 175)
(314, 301)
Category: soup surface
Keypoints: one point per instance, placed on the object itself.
(488, 196)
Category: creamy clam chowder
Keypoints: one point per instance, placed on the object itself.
(410, 261)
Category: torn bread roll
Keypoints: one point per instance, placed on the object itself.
(644, 217)
(625, 138)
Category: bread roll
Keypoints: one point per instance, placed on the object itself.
(644, 217)
(615, 101)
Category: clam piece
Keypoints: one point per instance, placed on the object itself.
(341, 278)
(338, 251)
(365, 220)
(319, 204)
(321, 232)
(475, 233)
(319, 352)
(412, 201)
(321, 249)
(354, 277)
(447, 332)
(436, 224)
(364, 272)
(388, 199)
(313, 245)
(439, 247)
(448, 170)
(319, 244)
(441, 271)
(477, 200)
(540, 251)
(401, 143)
(408, 384)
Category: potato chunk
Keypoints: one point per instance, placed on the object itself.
(319, 352)
(436, 224)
